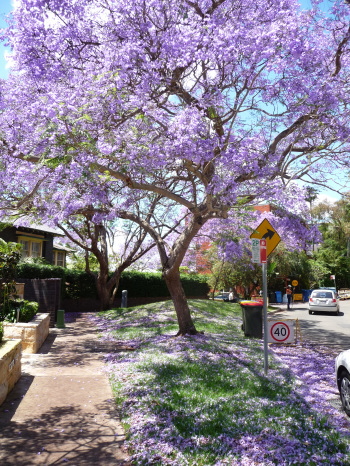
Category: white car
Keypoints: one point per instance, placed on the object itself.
(342, 372)
(324, 300)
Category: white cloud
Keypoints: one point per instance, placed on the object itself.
(329, 196)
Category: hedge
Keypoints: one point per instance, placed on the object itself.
(151, 284)
(77, 284)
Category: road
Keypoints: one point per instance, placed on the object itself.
(326, 328)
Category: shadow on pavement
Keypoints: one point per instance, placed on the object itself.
(13, 400)
(30, 442)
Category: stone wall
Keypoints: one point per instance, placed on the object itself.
(10, 366)
(33, 334)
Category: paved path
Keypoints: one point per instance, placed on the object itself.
(61, 410)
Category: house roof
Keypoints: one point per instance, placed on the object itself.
(60, 247)
(27, 222)
(39, 227)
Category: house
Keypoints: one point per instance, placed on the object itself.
(36, 240)
(60, 253)
(264, 208)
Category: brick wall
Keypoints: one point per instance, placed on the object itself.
(46, 292)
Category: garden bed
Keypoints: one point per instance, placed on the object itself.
(33, 334)
(10, 366)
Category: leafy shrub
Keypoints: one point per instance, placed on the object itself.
(9, 258)
(195, 285)
(31, 270)
(27, 310)
(152, 284)
(79, 284)
(1, 331)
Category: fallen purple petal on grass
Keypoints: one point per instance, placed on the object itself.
(262, 433)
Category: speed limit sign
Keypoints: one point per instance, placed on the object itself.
(281, 331)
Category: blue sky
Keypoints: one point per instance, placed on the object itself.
(6, 7)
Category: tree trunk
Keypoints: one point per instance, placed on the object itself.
(113, 288)
(186, 325)
(104, 296)
(107, 289)
(103, 290)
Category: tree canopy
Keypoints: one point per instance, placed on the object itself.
(212, 105)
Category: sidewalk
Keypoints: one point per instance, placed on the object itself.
(61, 410)
(281, 307)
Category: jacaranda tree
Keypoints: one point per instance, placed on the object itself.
(212, 105)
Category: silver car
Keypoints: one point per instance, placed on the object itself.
(324, 301)
(342, 372)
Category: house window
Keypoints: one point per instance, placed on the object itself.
(60, 258)
(25, 248)
(36, 249)
(31, 247)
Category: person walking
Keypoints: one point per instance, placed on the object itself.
(289, 296)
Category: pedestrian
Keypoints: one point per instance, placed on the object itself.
(230, 297)
(289, 296)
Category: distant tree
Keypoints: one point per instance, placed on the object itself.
(311, 195)
(77, 261)
(292, 265)
(334, 252)
(92, 237)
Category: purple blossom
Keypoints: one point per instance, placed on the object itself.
(154, 435)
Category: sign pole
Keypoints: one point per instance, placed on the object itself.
(264, 277)
(264, 240)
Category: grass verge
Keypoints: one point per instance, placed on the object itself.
(204, 399)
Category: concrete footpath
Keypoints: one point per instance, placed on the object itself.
(61, 410)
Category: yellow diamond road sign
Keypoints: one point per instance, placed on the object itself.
(266, 231)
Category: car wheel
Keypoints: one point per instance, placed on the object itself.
(310, 312)
(344, 380)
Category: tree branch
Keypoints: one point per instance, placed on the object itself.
(142, 186)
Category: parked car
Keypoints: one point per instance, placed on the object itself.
(333, 288)
(324, 300)
(222, 296)
(344, 293)
(342, 372)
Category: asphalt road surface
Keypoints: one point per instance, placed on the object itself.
(320, 328)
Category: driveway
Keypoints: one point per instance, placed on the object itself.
(326, 328)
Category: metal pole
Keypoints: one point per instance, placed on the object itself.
(125, 298)
(264, 277)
